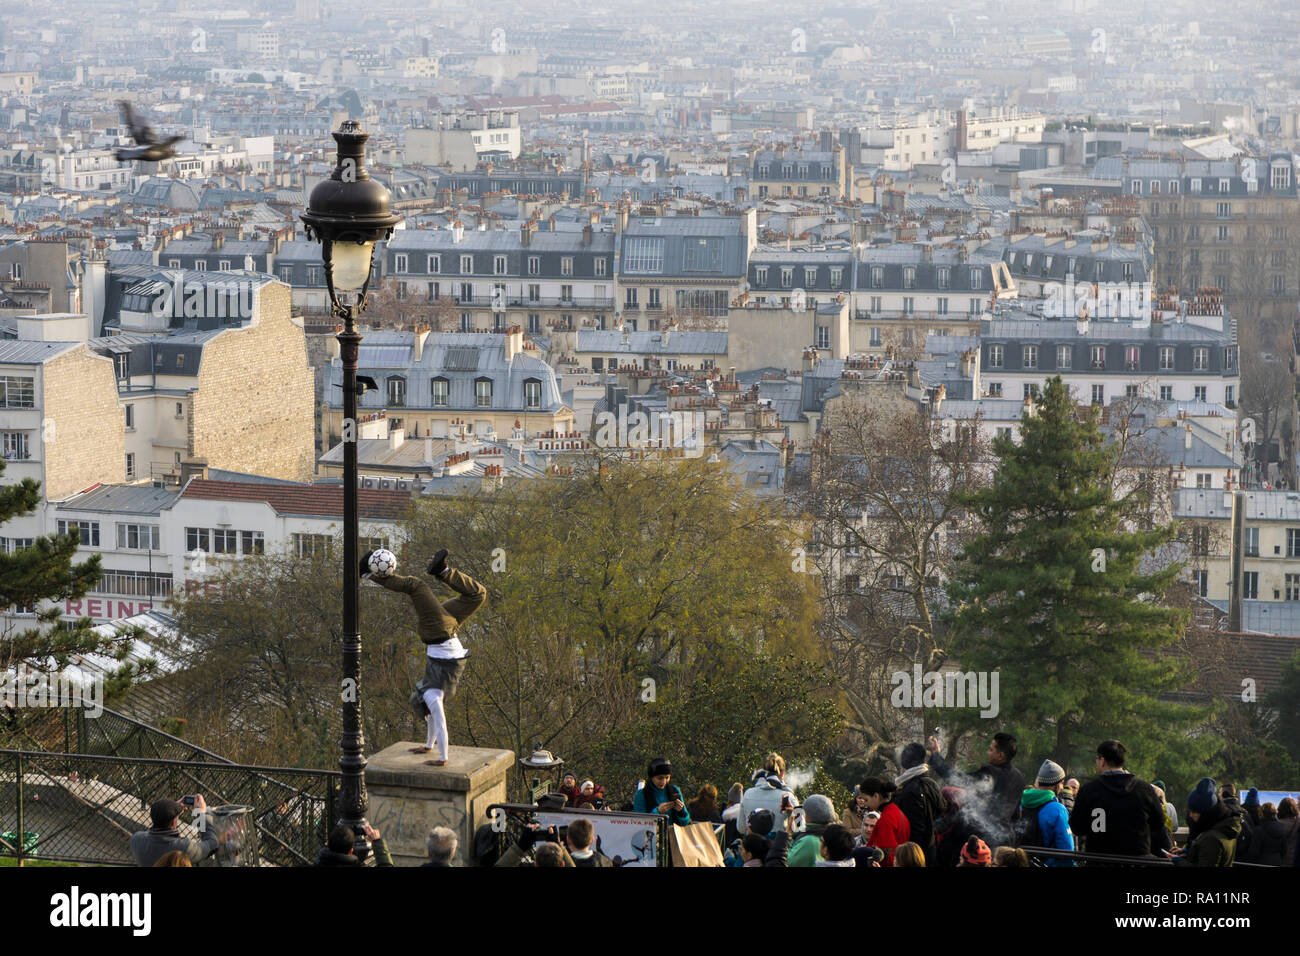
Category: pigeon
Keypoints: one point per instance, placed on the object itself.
(148, 148)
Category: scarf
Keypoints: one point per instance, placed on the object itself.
(912, 774)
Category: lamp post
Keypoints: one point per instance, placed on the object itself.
(539, 760)
(348, 213)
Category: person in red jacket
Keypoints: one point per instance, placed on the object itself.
(892, 829)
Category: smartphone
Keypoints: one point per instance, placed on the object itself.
(188, 800)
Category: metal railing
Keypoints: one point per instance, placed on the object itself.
(83, 808)
(1036, 853)
(74, 788)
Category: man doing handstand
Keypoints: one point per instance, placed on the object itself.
(437, 622)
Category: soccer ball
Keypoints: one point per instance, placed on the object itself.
(382, 563)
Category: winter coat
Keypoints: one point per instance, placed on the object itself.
(1290, 830)
(1244, 848)
(648, 798)
(892, 830)
(807, 846)
(1134, 818)
(1212, 840)
(1053, 821)
(1008, 785)
(596, 859)
(1268, 844)
(328, 857)
(951, 834)
(852, 819)
(919, 799)
(766, 793)
(149, 846)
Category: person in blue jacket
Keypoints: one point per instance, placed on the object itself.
(660, 795)
(1053, 818)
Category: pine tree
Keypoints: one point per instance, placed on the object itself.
(1061, 598)
(46, 572)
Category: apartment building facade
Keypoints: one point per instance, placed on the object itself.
(1228, 224)
(535, 278)
(439, 384)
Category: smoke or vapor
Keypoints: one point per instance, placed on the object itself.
(798, 777)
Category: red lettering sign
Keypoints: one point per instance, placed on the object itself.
(73, 607)
(93, 608)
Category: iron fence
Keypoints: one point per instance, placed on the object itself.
(83, 808)
(74, 788)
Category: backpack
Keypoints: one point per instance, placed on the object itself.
(1026, 830)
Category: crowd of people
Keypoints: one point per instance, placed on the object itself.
(929, 815)
(932, 814)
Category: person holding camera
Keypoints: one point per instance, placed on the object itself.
(536, 846)
(769, 791)
(658, 794)
(149, 846)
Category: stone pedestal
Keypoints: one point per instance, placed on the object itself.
(408, 798)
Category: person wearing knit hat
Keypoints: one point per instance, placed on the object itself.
(1049, 773)
(1044, 821)
(819, 815)
(975, 853)
(735, 827)
(1213, 828)
(658, 794)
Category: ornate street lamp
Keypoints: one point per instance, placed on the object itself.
(348, 213)
(539, 761)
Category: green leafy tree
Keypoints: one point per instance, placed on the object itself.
(47, 574)
(1285, 703)
(718, 728)
(1059, 595)
(611, 589)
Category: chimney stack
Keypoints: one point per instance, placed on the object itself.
(514, 342)
(193, 468)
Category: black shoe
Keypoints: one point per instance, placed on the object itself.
(438, 564)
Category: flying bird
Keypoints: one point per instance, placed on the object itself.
(148, 148)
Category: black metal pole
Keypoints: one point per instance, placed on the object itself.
(353, 762)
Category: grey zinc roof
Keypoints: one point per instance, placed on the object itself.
(988, 409)
(1260, 505)
(679, 343)
(23, 352)
(496, 240)
(118, 258)
(123, 499)
(1169, 443)
(1053, 329)
(441, 351)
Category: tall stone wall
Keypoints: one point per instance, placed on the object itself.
(253, 410)
(84, 438)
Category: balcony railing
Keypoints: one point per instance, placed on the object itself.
(543, 302)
